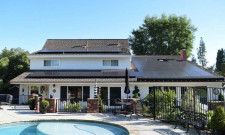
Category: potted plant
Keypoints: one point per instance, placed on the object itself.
(44, 105)
(136, 91)
(31, 103)
(217, 123)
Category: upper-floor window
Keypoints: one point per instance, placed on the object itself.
(110, 63)
(51, 63)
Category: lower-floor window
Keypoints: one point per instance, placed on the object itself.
(86, 92)
(75, 92)
(104, 95)
(78, 93)
(115, 93)
(34, 89)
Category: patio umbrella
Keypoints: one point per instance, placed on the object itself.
(127, 89)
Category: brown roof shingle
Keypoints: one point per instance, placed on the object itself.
(85, 46)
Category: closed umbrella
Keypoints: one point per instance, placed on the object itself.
(127, 89)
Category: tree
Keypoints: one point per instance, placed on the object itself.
(163, 36)
(202, 53)
(219, 59)
(223, 69)
(211, 68)
(193, 59)
(13, 62)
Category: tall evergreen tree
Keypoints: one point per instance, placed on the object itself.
(202, 53)
(193, 59)
(219, 59)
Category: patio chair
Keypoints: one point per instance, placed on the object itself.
(5, 99)
(125, 109)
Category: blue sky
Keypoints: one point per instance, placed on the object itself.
(27, 24)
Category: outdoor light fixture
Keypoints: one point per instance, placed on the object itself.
(54, 85)
(23, 90)
(96, 89)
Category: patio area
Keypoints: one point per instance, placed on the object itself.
(141, 126)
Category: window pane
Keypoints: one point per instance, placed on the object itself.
(55, 63)
(106, 62)
(34, 90)
(86, 93)
(51, 62)
(75, 92)
(104, 95)
(47, 62)
(114, 63)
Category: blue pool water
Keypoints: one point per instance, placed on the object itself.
(61, 128)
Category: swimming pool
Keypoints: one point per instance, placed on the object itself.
(61, 128)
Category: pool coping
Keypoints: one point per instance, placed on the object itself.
(129, 128)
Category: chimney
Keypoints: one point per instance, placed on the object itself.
(183, 55)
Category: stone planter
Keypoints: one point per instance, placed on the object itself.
(52, 105)
(93, 105)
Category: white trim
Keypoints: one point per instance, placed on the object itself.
(77, 56)
(156, 83)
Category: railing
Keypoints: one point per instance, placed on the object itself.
(72, 107)
(107, 106)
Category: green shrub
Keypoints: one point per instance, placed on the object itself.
(209, 115)
(73, 107)
(145, 111)
(217, 121)
(165, 101)
(102, 107)
(221, 97)
(74, 100)
(31, 101)
(44, 104)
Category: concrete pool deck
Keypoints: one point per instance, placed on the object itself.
(141, 126)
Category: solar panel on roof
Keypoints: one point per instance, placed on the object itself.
(77, 74)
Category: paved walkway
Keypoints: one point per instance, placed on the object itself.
(142, 126)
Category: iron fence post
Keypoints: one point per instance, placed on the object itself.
(154, 103)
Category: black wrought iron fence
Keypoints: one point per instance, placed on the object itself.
(166, 104)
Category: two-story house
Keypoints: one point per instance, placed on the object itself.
(72, 68)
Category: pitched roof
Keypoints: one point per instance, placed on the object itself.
(85, 46)
(158, 68)
(23, 78)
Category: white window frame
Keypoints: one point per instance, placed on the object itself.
(110, 63)
(51, 60)
(106, 65)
